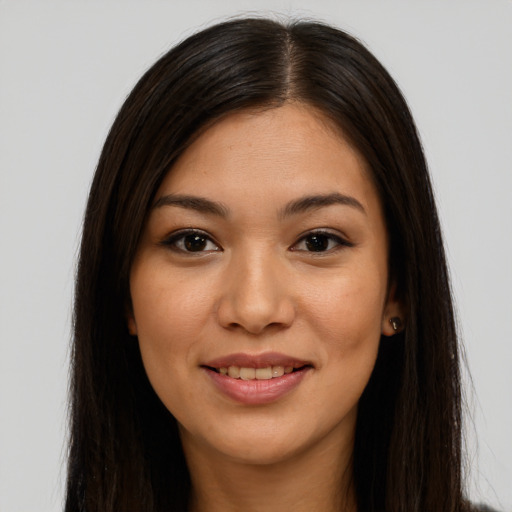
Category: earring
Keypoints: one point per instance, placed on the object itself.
(396, 323)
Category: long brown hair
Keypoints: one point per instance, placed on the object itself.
(125, 452)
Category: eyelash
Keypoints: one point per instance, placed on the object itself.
(172, 241)
(331, 237)
(175, 238)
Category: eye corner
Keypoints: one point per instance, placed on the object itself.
(190, 242)
(321, 242)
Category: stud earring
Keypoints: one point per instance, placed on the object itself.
(396, 323)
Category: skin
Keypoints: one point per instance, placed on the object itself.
(256, 287)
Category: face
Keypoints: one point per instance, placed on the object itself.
(260, 287)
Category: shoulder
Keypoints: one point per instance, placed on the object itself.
(482, 508)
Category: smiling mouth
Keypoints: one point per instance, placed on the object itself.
(256, 380)
(247, 373)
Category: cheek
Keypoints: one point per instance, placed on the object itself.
(347, 309)
(346, 314)
(170, 315)
(167, 307)
(349, 328)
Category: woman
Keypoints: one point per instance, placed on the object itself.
(263, 314)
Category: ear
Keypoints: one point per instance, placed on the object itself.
(393, 317)
(130, 320)
(132, 326)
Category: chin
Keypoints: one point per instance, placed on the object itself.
(262, 453)
(260, 443)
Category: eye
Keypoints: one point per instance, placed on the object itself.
(320, 241)
(191, 241)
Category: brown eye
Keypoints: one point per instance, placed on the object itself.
(191, 241)
(317, 243)
(194, 243)
(320, 241)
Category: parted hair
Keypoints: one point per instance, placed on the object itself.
(124, 450)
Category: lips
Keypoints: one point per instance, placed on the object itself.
(245, 373)
(256, 380)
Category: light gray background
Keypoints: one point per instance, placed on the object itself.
(65, 68)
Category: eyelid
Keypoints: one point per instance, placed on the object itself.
(341, 240)
(170, 240)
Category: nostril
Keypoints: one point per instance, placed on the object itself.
(254, 308)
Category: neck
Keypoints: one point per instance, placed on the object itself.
(318, 479)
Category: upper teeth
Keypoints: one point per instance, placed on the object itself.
(237, 372)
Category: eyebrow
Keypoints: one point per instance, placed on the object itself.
(295, 207)
(308, 203)
(199, 204)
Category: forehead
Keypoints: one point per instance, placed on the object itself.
(285, 151)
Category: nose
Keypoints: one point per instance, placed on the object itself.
(256, 295)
